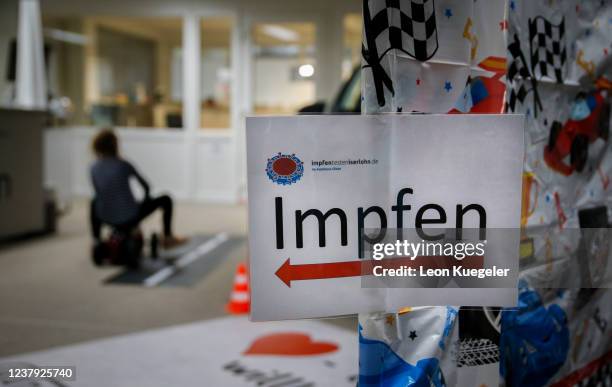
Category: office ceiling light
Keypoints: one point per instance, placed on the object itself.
(66, 36)
(306, 70)
(280, 33)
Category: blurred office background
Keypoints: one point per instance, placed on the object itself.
(177, 79)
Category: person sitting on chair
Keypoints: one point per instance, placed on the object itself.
(114, 203)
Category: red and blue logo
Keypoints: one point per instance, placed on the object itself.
(284, 169)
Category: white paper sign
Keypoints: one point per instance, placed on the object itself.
(312, 178)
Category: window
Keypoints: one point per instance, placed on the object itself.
(115, 71)
(215, 73)
(283, 67)
(65, 44)
(351, 57)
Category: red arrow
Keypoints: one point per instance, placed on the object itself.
(311, 271)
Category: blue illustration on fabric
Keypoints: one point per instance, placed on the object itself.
(451, 313)
(379, 365)
(534, 340)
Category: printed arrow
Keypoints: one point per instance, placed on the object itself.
(311, 271)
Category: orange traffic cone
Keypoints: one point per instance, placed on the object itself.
(240, 299)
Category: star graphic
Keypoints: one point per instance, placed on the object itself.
(448, 13)
(412, 335)
(448, 86)
(503, 25)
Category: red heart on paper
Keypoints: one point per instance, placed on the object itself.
(289, 344)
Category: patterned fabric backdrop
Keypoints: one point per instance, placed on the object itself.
(551, 61)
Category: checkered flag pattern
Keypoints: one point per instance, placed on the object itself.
(518, 75)
(405, 25)
(517, 93)
(547, 48)
(518, 64)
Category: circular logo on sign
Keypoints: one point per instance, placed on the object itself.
(284, 169)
